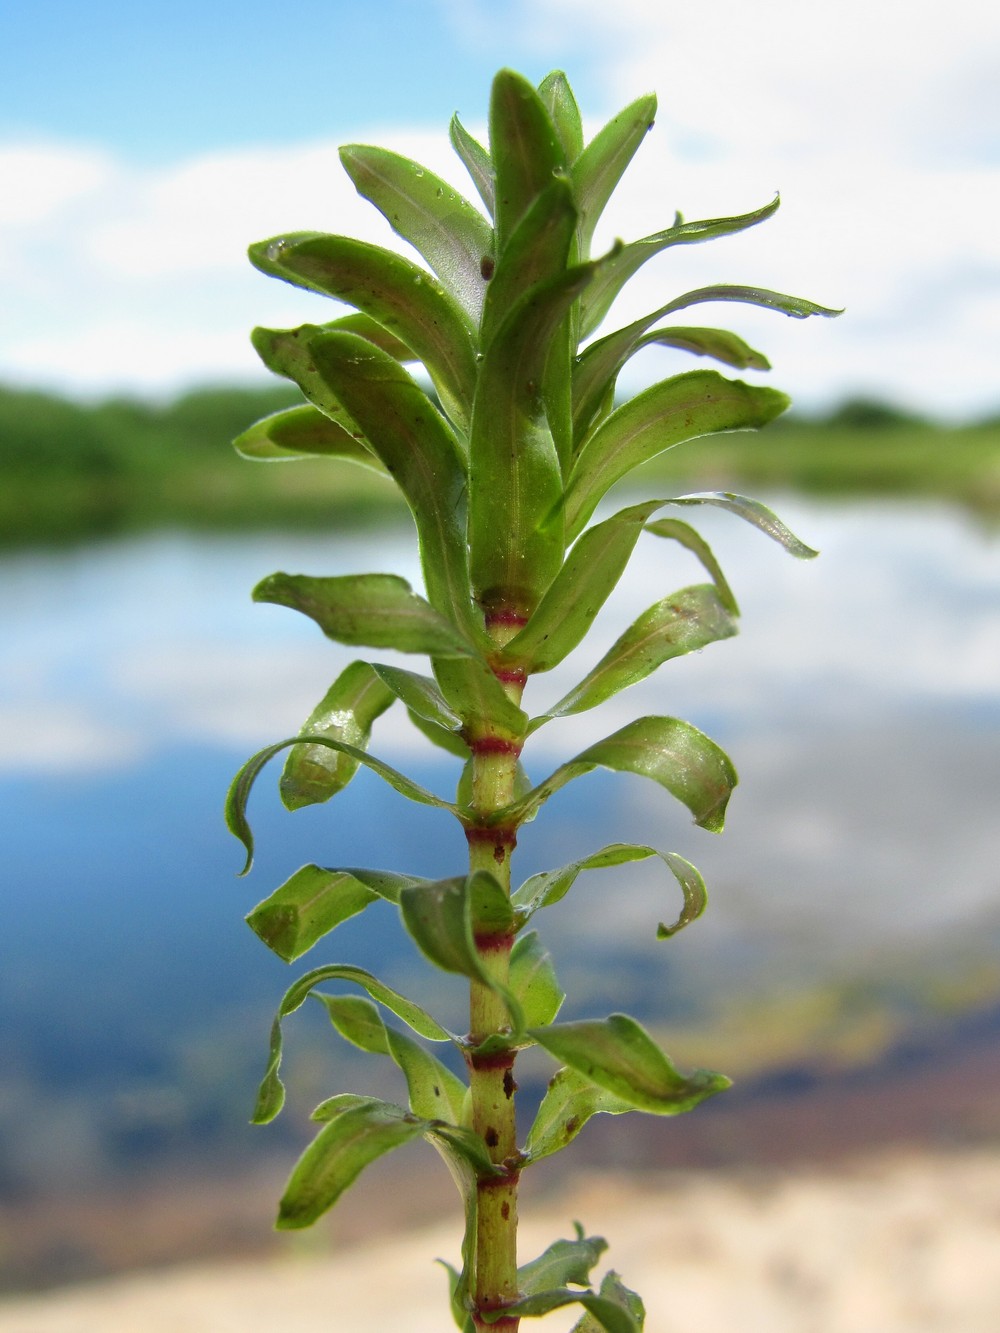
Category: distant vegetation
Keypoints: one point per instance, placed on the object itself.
(69, 471)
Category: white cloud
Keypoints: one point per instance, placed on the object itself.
(874, 120)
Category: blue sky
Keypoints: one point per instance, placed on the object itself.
(143, 147)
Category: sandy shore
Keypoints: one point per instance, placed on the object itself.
(900, 1243)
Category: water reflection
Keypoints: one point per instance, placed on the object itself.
(861, 703)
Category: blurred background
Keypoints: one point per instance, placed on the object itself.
(847, 971)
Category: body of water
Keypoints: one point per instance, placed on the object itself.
(860, 703)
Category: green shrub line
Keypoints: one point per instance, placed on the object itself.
(74, 471)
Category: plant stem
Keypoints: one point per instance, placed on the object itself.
(494, 769)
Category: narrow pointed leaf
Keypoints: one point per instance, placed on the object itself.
(445, 917)
(588, 576)
(453, 237)
(536, 252)
(434, 1091)
(609, 1315)
(242, 784)
(630, 259)
(598, 366)
(314, 773)
(474, 693)
(753, 512)
(602, 163)
(618, 1054)
(550, 886)
(337, 1156)
(399, 295)
(420, 695)
(563, 1263)
(569, 1102)
(673, 753)
(533, 980)
(701, 402)
(370, 329)
(719, 344)
(516, 475)
(271, 1094)
(287, 352)
(524, 149)
(303, 432)
(358, 1021)
(558, 99)
(419, 449)
(685, 622)
(449, 741)
(614, 1291)
(315, 901)
(376, 610)
(476, 160)
(693, 541)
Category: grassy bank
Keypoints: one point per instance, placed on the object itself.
(71, 471)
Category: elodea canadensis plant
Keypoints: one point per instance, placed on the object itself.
(503, 463)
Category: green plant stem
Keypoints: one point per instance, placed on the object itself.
(494, 770)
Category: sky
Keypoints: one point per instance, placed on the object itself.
(143, 147)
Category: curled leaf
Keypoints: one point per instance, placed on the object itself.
(673, 753)
(550, 886)
(315, 901)
(314, 773)
(242, 784)
(619, 1055)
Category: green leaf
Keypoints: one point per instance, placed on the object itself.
(402, 297)
(359, 1022)
(558, 99)
(564, 1262)
(434, 1091)
(474, 693)
(453, 237)
(693, 541)
(585, 581)
(719, 344)
(619, 1055)
(608, 1314)
(242, 784)
(449, 741)
(598, 366)
(419, 449)
(673, 753)
(476, 160)
(366, 327)
(271, 1094)
(614, 1291)
(602, 163)
(685, 622)
(377, 610)
(631, 257)
(337, 1156)
(701, 402)
(421, 696)
(287, 352)
(524, 149)
(315, 901)
(533, 980)
(537, 252)
(550, 886)
(515, 473)
(753, 512)
(445, 918)
(303, 432)
(314, 773)
(569, 1102)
